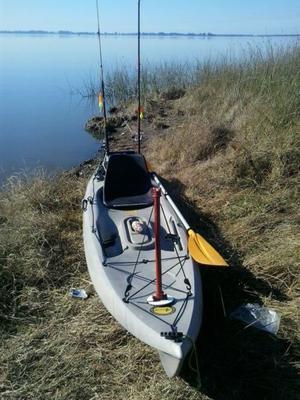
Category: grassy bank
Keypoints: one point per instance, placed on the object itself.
(233, 167)
(235, 161)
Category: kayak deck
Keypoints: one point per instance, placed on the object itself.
(121, 263)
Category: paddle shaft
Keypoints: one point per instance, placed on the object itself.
(200, 250)
(172, 204)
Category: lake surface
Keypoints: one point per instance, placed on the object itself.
(42, 123)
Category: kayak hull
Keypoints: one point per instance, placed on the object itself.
(121, 265)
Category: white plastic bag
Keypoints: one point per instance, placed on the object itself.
(262, 318)
(78, 294)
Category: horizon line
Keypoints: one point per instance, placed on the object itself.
(67, 32)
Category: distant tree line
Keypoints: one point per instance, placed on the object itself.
(189, 34)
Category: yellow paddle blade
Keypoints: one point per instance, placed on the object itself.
(202, 252)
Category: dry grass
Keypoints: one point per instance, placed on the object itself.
(233, 165)
(53, 346)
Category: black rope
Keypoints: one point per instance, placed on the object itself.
(92, 202)
(152, 281)
(178, 315)
(152, 315)
(129, 285)
(186, 281)
(145, 261)
(181, 310)
(165, 287)
(94, 230)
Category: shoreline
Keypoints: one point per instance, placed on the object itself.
(150, 34)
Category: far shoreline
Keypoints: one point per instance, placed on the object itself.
(151, 34)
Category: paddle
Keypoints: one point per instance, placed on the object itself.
(200, 250)
(203, 252)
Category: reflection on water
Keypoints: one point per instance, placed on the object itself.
(41, 123)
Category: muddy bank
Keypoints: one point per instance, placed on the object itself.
(160, 114)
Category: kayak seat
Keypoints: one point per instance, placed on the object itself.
(127, 183)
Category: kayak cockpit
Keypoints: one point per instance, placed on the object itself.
(127, 183)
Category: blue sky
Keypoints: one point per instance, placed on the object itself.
(218, 16)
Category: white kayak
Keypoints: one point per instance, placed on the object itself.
(119, 243)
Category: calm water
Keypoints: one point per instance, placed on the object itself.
(41, 123)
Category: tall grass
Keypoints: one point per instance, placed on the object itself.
(121, 81)
(235, 159)
(240, 142)
(122, 84)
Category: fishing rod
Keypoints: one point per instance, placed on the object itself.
(102, 98)
(139, 76)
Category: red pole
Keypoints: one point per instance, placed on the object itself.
(159, 294)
